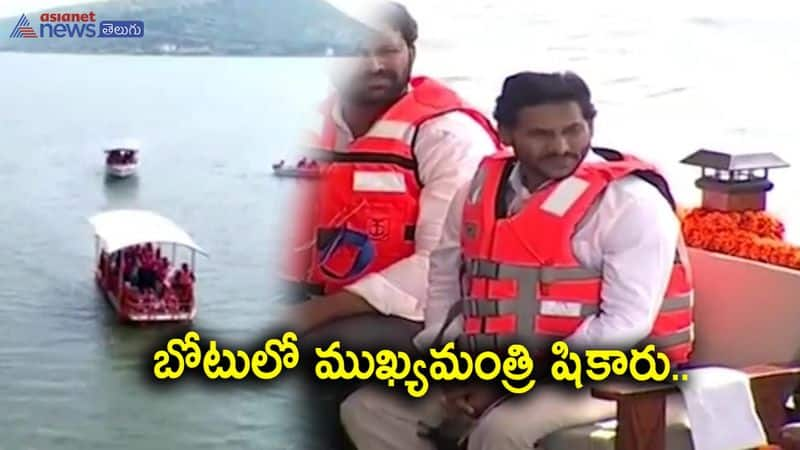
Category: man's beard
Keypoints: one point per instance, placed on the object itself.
(360, 95)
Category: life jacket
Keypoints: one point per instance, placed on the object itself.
(161, 269)
(359, 215)
(521, 281)
(185, 278)
(148, 261)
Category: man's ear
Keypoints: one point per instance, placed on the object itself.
(505, 135)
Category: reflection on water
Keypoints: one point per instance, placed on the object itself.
(121, 192)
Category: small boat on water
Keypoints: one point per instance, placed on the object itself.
(294, 172)
(131, 267)
(122, 160)
(303, 169)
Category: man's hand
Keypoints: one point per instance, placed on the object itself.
(471, 400)
(303, 317)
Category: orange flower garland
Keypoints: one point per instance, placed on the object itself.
(755, 235)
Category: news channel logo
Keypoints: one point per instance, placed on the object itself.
(76, 26)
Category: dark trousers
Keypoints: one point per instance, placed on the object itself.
(371, 332)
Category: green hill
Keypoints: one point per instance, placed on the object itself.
(205, 27)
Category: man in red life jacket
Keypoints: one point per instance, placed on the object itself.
(392, 151)
(557, 240)
(182, 282)
(162, 269)
(394, 148)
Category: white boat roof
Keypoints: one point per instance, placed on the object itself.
(123, 228)
(121, 149)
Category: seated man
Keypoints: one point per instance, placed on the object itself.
(393, 150)
(556, 206)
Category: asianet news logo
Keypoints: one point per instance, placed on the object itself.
(76, 25)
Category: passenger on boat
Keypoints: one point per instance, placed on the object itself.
(162, 268)
(302, 163)
(147, 251)
(147, 275)
(182, 283)
(613, 221)
(130, 270)
(186, 276)
(378, 300)
(101, 263)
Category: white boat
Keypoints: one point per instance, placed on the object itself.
(121, 239)
(122, 160)
(296, 172)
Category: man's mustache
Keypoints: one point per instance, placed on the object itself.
(380, 74)
(560, 156)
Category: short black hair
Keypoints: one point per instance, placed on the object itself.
(398, 18)
(534, 88)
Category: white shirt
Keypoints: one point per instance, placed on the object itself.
(631, 235)
(448, 149)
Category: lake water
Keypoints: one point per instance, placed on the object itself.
(70, 375)
(667, 82)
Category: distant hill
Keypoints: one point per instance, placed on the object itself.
(205, 27)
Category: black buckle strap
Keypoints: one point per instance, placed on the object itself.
(324, 237)
(409, 232)
(484, 269)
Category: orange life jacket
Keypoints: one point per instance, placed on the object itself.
(185, 278)
(359, 215)
(521, 281)
(148, 261)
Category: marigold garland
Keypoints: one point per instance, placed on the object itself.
(755, 235)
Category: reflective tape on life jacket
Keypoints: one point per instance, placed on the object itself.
(557, 300)
(360, 215)
(520, 279)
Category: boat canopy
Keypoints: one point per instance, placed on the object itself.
(124, 228)
(120, 150)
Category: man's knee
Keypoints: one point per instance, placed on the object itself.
(499, 430)
(369, 332)
(357, 409)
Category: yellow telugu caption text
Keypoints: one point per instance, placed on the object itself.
(282, 352)
(391, 367)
